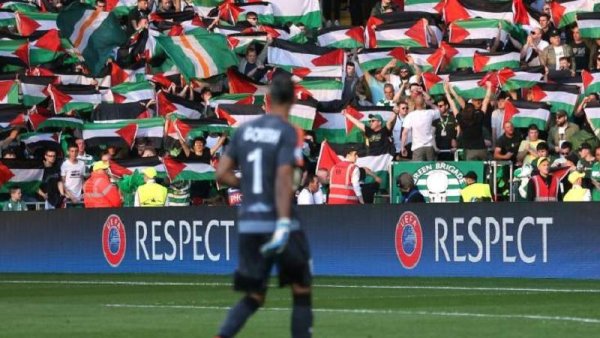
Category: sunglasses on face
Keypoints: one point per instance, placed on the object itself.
(371, 121)
(565, 154)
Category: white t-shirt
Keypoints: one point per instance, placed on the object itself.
(497, 121)
(420, 123)
(559, 52)
(536, 60)
(306, 197)
(73, 174)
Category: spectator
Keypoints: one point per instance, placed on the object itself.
(498, 118)
(551, 55)
(586, 158)
(199, 151)
(72, 171)
(546, 26)
(332, 16)
(419, 123)
(151, 194)
(252, 20)
(178, 194)
(9, 141)
(15, 203)
(388, 96)
(98, 191)
(205, 96)
(344, 185)
(565, 150)
(138, 17)
(577, 193)
(507, 146)
(402, 110)
(581, 52)
(384, 6)
(323, 176)
(253, 64)
(82, 156)
(544, 187)
(410, 192)
(9, 154)
(446, 131)
(52, 189)
(596, 63)
(165, 6)
(532, 49)
(543, 150)
(101, 5)
(376, 133)
(350, 83)
(309, 190)
(475, 192)
(528, 147)
(563, 131)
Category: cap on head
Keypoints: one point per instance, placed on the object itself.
(472, 175)
(100, 165)
(541, 160)
(575, 175)
(554, 32)
(376, 116)
(561, 113)
(150, 172)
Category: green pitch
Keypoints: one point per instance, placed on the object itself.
(193, 306)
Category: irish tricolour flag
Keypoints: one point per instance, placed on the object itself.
(589, 25)
(524, 113)
(198, 56)
(26, 174)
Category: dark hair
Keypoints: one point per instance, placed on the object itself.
(9, 151)
(204, 91)
(566, 145)
(405, 181)
(468, 115)
(199, 138)
(14, 188)
(251, 14)
(542, 146)
(72, 145)
(442, 99)
(545, 15)
(533, 127)
(308, 179)
(350, 63)
(282, 90)
(564, 58)
(49, 150)
(388, 85)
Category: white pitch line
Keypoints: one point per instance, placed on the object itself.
(377, 312)
(332, 286)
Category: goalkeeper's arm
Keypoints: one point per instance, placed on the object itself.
(284, 192)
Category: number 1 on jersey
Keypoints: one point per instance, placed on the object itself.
(255, 157)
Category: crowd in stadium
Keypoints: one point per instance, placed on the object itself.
(131, 102)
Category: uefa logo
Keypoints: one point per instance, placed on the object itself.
(114, 241)
(409, 240)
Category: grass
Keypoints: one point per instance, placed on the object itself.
(194, 306)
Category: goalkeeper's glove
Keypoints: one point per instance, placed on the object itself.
(279, 240)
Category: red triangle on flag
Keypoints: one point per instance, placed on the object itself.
(356, 33)
(509, 111)
(176, 30)
(222, 114)
(332, 58)
(301, 71)
(128, 133)
(118, 98)
(26, 25)
(163, 105)
(557, 10)
(480, 62)
(354, 113)
(492, 77)
(50, 41)
(5, 87)
(183, 129)
(504, 75)
(272, 32)
(327, 157)
(399, 54)
(233, 42)
(239, 85)
(173, 167)
(118, 170)
(117, 74)
(59, 98)
(440, 7)
(521, 15)
(418, 32)
(301, 92)
(5, 174)
(18, 121)
(246, 100)
(162, 80)
(23, 52)
(319, 120)
(36, 119)
(454, 10)
(587, 79)
(538, 94)
(457, 34)
(430, 80)
(372, 22)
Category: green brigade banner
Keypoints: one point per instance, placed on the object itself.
(437, 181)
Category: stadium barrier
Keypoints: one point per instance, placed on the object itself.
(543, 240)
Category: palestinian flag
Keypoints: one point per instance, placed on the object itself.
(236, 115)
(240, 42)
(121, 8)
(119, 75)
(321, 89)
(45, 49)
(477, 29)
(124, 133)
(190, 129)
(40, 122)
(35, 141)
(434, 83)
(558, 96)
(303, 113)
(26, 174)
(333, 126)
(328, 62)
(467, 9)
(591, 82)
(511, 79)
(75, 79)
(12, 115)
(429, 6)
(589, 25)
(93, 33)
(133, 92)
(29, 23)
(180, 107)
(263, 9)
(370, 59)
(19, 6)
(592, 113)
(242, 84)
(486, 61)
(345, 37)
(9, 92)
(120, 168)
(7, 19)
(307, 12)
(401, 34)
(205, 7)
(564, 12)
(115, 112)
(429, 59)
(188, 170)
(525, 16)
(258, 100)
(34, 88)
(524, 113)
(198, 56)
(14, 52)
(74, 97)
(468, 85)
(460, 55)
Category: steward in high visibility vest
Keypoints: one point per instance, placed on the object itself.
(544, 187)
(344, 186)
(150, 194)
(98, 191)
(577, 193)
(475, 192)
